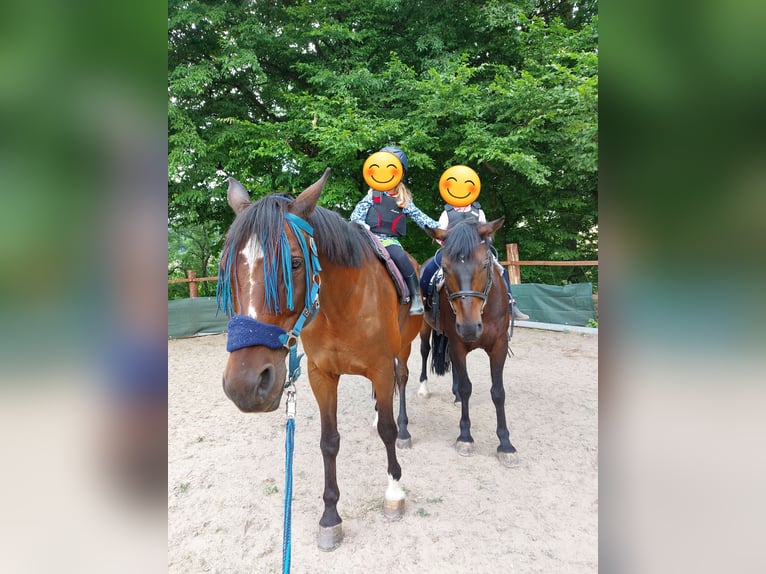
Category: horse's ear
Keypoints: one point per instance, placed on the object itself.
(489, 229)
(304, 204)
(435, 233)
(237, 196)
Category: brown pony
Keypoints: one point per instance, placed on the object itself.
(472, 314)
(291, 268)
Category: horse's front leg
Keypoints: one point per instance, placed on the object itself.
(425, 349)
(383, 382)
(464, 443)
(455, 384)
(325, 388)
(506, 452)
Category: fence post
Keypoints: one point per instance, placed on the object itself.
(191, 274)
(512, 254)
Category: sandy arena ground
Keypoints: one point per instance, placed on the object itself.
(463, 515)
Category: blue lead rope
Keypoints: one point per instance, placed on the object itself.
(295, 371)
(289, 447)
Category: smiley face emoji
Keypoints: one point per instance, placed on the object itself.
(459, 185)
(382, 171)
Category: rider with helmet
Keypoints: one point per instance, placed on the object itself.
(384, 211)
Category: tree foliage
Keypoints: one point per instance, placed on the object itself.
(273, 92)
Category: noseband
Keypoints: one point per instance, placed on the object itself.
(470, 293)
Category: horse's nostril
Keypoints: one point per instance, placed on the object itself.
(265, 382)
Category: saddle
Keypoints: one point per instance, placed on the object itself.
(401, 287)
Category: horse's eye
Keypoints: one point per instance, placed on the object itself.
(296, 263)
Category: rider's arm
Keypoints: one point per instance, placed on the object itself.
(419, 217)
(360, 211)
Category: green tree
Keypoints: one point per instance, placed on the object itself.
(273, 92)
(196, 248)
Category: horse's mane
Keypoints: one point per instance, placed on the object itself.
(462, 240)
(341, 242)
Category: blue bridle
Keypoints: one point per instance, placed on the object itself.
(245, 331)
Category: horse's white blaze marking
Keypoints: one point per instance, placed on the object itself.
(253, 254)
(394, 490)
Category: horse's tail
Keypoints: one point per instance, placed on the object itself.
(440, 359)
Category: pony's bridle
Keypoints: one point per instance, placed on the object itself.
(470, 293)
(245, 331)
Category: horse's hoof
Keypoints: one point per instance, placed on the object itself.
(404, 443)
(508, 459)
(423, 391)
(464, 448)
(458, 404)
(330, 537)
(393, 509)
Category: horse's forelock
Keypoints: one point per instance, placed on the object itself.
(462, 240)
(264, 218)
(340, 241)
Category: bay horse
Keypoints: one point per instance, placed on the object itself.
(292, 268)
(472, 314)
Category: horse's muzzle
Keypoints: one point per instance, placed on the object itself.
(469, 331)
(253, 389)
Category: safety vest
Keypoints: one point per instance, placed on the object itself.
(454, 217)
(385, 217)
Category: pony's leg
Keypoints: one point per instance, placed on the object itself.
(394, 498)
(455, 390)
(325, 388)
(506, 452)
(403, 437)
(464, 443)
(425, 349)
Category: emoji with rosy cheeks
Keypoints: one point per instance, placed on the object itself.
(459, 185)
(382, 171)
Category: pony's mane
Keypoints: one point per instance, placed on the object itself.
(462, 239)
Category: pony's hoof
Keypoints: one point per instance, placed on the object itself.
(423, 391)
(508, 459)
(458, 404)
(464, 448)
(393, 509)
(330, 537)
(404, 443)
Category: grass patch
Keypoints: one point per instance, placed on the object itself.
(270, 489)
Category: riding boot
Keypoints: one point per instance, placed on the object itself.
(416, 301)
(516, 312)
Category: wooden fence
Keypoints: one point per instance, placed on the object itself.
(512, 262)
